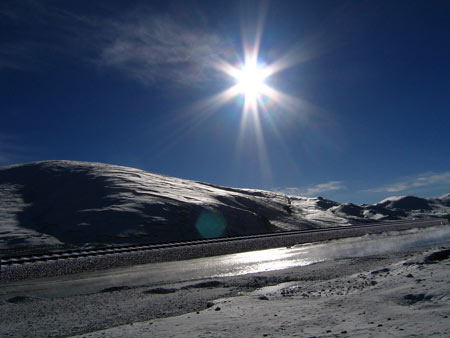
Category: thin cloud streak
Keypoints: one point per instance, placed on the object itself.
(419, 181)
(143, 45)
(54, 31)
(19, 57)
(314, 190)
(156, 48)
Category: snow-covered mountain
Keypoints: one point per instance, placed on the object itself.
(54, 202)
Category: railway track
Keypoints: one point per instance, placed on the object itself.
(117, 250)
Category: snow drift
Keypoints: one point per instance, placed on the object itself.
(66, 202)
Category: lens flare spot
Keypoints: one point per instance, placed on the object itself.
(211, 224)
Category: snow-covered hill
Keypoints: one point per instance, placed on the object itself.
(54, 202)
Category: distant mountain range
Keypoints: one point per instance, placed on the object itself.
(66, 202)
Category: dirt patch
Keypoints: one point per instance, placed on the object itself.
(115, 289)
(438, 256)
(416, 298)
(160, 291)
(21, 300)
(204, 285)
(376, 272)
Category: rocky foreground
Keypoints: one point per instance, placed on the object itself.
(398, 295)
(406, 298)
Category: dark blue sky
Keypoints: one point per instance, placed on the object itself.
(367, 85)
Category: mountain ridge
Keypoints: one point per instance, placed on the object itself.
(72, 202)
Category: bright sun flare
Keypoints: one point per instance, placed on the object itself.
(250, 80)
(261, 101)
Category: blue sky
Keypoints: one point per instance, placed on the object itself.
(363, 114)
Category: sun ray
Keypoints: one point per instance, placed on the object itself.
(253, 90)
(198, 113)
(285, 101)
(227, 68)
(263, 158)
(284, 147)
(212, 104)
(265, 110)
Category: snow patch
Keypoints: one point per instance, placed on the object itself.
(79, 203)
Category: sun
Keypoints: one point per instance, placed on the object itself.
(250, 80)
(253, 74)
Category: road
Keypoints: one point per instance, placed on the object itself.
(85, 302)
(91, 262)
(225, 265)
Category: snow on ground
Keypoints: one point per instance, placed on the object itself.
(375, 286)
(406, 298)
(76, 202)
(11, 231)
(66, 202)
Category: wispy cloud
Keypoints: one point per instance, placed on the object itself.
(145, 44)
(314, 190)
(17, 56)
(14, 54)
(416, 182)
(154, 48)
(42, 31)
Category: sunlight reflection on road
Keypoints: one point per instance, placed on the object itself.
(305, 254)
(233, 265)
(264, 260)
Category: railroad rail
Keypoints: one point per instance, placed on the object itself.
(112, 250)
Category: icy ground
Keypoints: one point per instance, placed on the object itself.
(66, 202)
(405, 298)
(382, 286)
